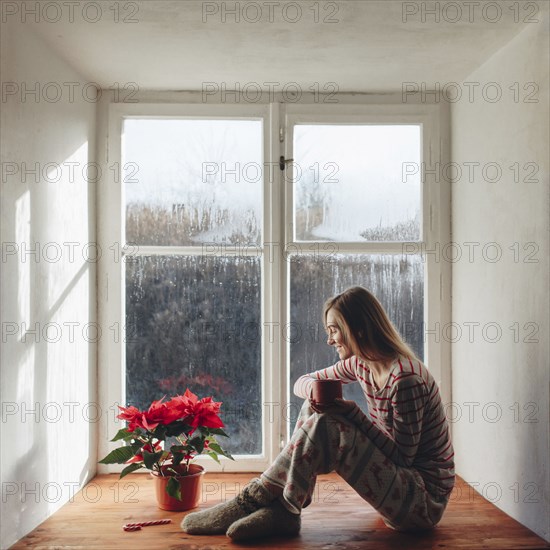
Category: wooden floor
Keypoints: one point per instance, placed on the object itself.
(337, 519)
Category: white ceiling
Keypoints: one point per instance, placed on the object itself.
(369, 49)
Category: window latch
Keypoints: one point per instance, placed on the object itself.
(283, 162)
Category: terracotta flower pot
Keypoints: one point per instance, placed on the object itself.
(190, 487)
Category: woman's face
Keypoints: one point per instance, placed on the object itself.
(335, 337)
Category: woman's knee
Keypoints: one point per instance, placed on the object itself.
(324, 420)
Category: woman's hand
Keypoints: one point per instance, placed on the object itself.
(338, 406)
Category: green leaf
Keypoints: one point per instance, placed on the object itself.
(216, 447)
(119, 456)
(222, 452)
(160, 432)
(129, 469)
(217, 431)
(177, 428)
(198, 444)
(173, 488)
(214, 456)
(150, 459)
(227, 455)
(177, 457)
(125, 434)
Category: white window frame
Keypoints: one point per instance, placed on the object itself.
(112, 386)
(277, 234)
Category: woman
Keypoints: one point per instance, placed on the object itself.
(399, 458)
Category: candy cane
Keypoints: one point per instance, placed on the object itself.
(139, 525)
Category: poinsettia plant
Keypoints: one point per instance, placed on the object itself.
(193, 423)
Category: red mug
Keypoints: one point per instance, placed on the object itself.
(326, 391)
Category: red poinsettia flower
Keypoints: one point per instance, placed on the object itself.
(183, 406)
(157, 413)
(206, 414)
(197, 412)
(132, 415)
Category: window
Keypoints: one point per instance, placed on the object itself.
(195, 315)
(226, 259)
(349, 185)
(349, 191)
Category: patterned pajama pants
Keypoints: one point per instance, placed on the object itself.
(322, 443)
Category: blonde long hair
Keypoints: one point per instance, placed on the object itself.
(365, 326)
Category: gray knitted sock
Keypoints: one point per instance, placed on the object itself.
(273, 520)
(217, 519)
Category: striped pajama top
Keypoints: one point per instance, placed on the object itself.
(407, 420)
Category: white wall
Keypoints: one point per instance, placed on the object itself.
(48, 455)
(501, 389)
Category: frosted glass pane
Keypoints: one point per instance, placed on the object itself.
(189, 182)
(349, 184)
(194, 322)
(397, 281)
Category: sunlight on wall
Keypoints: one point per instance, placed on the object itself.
(67, 395)
(25, 397)
(66, 257)
(53, 263)
(22, 235)
(25, 370)
(67, 274)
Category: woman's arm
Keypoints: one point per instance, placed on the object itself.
(343, 370)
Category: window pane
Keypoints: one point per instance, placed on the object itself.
(194, 322)
(189, 182)
(397, 281)
(357, 183)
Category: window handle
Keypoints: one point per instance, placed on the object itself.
(283, 162)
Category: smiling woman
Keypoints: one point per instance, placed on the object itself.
(335, 336)
(397, 282)
(399, 458)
